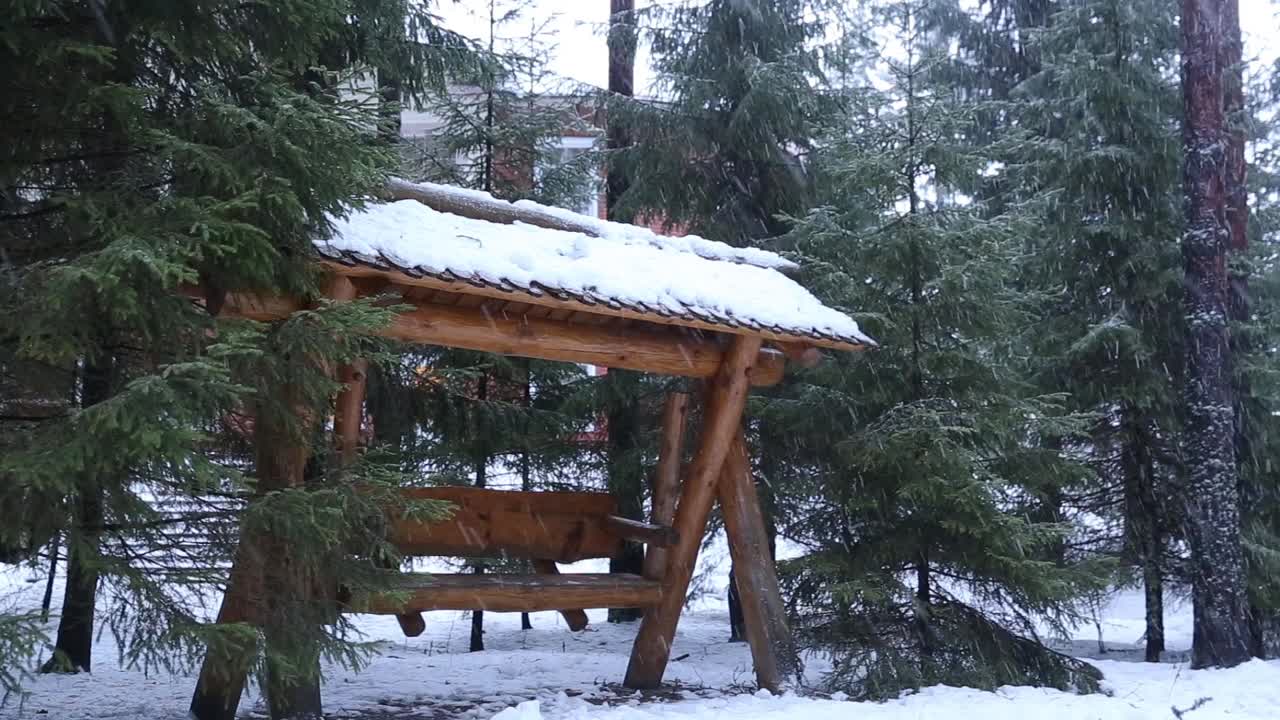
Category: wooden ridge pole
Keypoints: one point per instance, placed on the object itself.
(773, 650)
(723, 417)
(666, 478)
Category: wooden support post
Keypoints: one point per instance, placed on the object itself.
(575, 618)
(723, 417)
(772, 649)
(226, 664)
(666, 479)
(348, 416)
(349, 410)
(261, 562)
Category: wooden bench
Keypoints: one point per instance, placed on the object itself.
(543, 527)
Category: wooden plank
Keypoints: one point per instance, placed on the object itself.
(559, 526)
(726, 400)
(546, 299)
(666, 478)
(642, 532)
(773, 650)
(510, 593)
(575, 618)
(471, 329)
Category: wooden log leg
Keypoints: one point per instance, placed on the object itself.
(666, 479)
(349, 410)
(226, 664)
(575, 618)
(348, 413)
(726, 400)
(773, 650)
(293, 690)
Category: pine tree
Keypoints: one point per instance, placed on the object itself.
(918, 473)
(722, 154)
(1091, 142)
(502, 120)
(155, 147)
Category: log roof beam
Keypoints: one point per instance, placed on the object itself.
(655, 351)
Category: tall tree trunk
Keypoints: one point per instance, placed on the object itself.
(622, 80)
(1142, 520)
(623, 422)
(526, 471)
(481, 470)
(1221, 626)
(923, 603)
(487, 169)
(73, 649)
(737, 623)
(1239, 304)
(626, 479)
(47, 600)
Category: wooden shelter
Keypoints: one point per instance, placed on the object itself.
(526, 280)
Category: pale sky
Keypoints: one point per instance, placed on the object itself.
(579, 26)
(581, 53)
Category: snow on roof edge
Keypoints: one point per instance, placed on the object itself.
(412, 235)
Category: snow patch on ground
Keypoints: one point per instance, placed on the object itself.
(549, 673)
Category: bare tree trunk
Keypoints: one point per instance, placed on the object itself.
(623, 421)
(481, 468)
(737, 623)
(626, 480)
(47, 601)
(622, 80)
(526, 471)
(1143, 525)
(1221, 632)
(1239, 304)
(73, 649)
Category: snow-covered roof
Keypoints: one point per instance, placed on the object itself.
(607, 267)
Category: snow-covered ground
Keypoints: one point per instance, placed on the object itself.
(551, 673)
